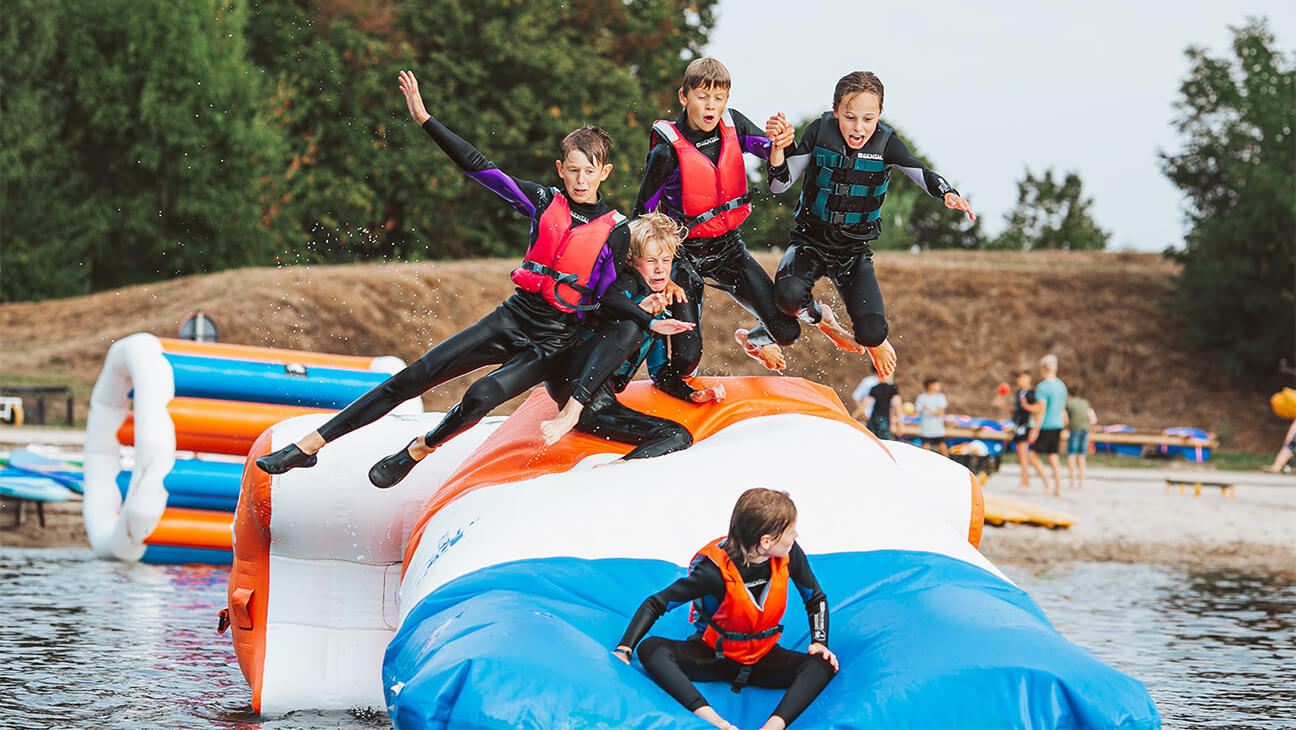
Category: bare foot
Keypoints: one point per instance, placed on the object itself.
(706, 712)
(833, 330)
(884, 359)
(771, 355)
(556, 428)
(614, 462)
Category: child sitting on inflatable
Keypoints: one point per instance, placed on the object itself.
(695, 174)
(570, 263)
(738, 587)
(600, 368)
(846, 156)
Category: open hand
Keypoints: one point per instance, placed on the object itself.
(674, 292)
(655, 303)
(670, 326)
(823, 651)
(958, 203)
(413, 100)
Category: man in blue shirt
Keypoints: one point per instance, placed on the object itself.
(1050, 401)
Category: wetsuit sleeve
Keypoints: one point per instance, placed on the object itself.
(662, 164)
(897, 154)
(618, 304)
(609, 267)
(523, 195)
(795, 161)
(751, 138)
(703, 579)
(816, 603)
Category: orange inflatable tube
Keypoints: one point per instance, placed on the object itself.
(196, 528)
(264, 354)
(218, 426)
(249, 582)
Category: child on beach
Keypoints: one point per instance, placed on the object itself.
(931, 405)
(571, 261)
(597, 370)
(738, 587)
(695, 174)
(1079, 418)
(1022, 398)
(846, 156)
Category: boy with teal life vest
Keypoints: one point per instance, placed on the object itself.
(846, 156)
(576, 242)
(738, 586)
(695, 174)
(586, 386)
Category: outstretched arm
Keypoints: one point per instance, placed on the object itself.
(523, 195)
(782, 176)
(897, 154)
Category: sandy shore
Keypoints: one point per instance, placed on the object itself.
(1127, 515)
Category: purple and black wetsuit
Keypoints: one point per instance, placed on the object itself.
(524, 335)
(722, 259)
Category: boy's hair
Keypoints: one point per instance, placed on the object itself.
(592, 141)
(928, 382)
(657, 228)
(706, 73)
(857, 82)
(759, 512)
(1049, 363)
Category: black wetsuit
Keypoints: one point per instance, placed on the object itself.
(723, 259)
(1021, 417)
(879, 421)
(616, 344)
(840, 250)
(675, 665)
(525, 334)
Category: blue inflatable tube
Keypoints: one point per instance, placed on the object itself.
(527, 644)
(262, 382)
(197, 484)
(174, 555)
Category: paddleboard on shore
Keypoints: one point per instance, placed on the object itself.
(1000, 510)
(40, 465)
(14, 483)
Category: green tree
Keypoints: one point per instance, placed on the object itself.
(1235, 290)
(1051, 215)
(360, 180)
(47, 222)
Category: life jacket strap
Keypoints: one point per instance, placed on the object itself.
(561, 278)
(707, 215)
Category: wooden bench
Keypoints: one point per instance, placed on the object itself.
(1226, 488)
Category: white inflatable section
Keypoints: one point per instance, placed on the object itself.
(335, 560)
(117, 530)
(851, 496)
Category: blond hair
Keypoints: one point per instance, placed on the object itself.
(1049, 363)
(651, 228)
(706, 73)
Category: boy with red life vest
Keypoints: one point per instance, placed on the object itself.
(695, 174)
(737, 586)
(846, 156)
(599, 369)
(576, 241)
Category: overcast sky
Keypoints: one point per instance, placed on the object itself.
(986, 90)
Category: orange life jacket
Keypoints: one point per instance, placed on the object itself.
(739, 629)
(714, 196)
(558, 266)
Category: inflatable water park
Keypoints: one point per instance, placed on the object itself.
(489, 587)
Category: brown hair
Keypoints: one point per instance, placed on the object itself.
(706, 73)
(857, 82)
(657, 228)
(759, 512)
(592, 141)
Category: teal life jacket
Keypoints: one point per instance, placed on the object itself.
(845, 187)
(652, 348)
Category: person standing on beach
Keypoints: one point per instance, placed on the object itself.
(1049, 405)
(1080, 418)
(931, 405)
(861, 394)
(883, 406)
(1285, 453)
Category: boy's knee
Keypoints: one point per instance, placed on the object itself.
(870, 329)
(791, 295)
(785, 330)
(679, 437)
(628, 335)
(648, 647)
(480, 398)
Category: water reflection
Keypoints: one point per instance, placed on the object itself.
(91, 643)
(1216, 649)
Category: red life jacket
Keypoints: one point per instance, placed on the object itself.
(558, 266)
(715, 197)
(739, 629)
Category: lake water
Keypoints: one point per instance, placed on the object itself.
(90, 643)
